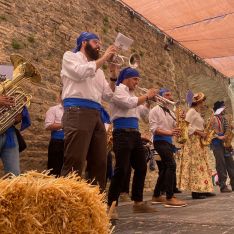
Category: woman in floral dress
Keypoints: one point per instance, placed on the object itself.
(195, 172)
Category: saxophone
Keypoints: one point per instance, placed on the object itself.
(209, 131)
(228, 136)
(182, 125)
(23, 71)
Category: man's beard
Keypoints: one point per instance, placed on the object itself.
(92, 53)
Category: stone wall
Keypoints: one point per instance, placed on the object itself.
(42, 30)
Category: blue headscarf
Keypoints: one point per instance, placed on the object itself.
(163, 90)
(84, 36)
(126, 73)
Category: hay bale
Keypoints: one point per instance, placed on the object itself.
(39, 203)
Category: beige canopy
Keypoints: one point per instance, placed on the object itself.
(205, 27)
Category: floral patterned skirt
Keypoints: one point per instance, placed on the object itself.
(194, 171)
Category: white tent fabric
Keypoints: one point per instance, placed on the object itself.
(204, 27)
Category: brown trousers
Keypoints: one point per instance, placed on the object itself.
(85, 139)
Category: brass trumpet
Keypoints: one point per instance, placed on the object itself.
(133, 60)
(159, 99)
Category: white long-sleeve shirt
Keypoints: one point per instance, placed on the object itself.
(54, 115)
(124, 104)
(81, 79)
(160, 119)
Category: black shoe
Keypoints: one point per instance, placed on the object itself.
(176, 190)
(225, 190)
(198, 195)
(209, 194)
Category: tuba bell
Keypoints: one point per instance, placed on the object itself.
(23, 72)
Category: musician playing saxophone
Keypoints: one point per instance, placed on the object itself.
(163, 127)
(224, 160)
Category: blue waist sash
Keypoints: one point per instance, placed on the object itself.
(217, 141)
(163, 138)
(10, 142)
(57, 135)
(10, 132)
(130, 122)
(26, 121)
(80, 102)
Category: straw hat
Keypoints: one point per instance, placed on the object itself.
(198, 97)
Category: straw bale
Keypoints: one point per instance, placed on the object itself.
(39, 203)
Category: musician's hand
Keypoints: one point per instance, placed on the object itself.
(200, 133)
(221, 137)
(151, 93)
(176, 132)
(6, 101)
(111, 50)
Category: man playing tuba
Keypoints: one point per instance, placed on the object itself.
(9, 145)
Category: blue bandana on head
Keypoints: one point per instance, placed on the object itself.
(126, 73)
(84, 36)
(163, 90)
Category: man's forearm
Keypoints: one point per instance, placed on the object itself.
(162, 132)
(54, 127)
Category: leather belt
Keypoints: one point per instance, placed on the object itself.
(127, 129)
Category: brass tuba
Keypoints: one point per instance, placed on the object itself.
(23, 72)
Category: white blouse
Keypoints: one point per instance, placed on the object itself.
(196, 122)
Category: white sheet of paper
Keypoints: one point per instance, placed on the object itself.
(123, 42)
(6, 71)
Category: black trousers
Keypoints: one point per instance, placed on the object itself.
(128, 149)
(109, 169)
(167, 172)
(160, 169)
(126, 185)
(55, 156)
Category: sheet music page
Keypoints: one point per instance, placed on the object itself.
(123, 42)
(6, 72)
